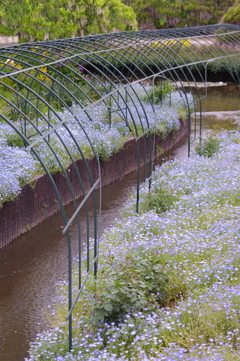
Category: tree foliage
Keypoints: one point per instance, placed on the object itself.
(178, 13)
(151, 11)
(50, 19)
(232, 16)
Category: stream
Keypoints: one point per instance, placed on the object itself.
(34, 264)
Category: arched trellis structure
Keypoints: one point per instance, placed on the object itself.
(53, 91)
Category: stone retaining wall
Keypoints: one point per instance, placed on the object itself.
(37, 200)
(8, 40)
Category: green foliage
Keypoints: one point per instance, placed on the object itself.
(159, 92)
(208, 147)
(178, 13)
(53, 19)
(4, 30)
(137, 282)
(48, 19)
(14, 140)
(151, 10)
(232, 16)
(160, 200)
(65, 75)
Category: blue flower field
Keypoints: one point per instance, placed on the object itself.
(168, 283)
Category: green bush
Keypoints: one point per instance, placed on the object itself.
(160, 200)
(208, 147)
(159, 92)
(232, 16)
(138, 282)
(14, 140)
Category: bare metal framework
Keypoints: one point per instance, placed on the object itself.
(41, 82)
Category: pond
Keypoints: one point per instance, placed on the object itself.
(33, 265)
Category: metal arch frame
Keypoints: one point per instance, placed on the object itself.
(116, 60)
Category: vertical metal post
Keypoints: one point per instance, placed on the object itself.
(138, 173)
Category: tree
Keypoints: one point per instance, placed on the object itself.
(178, 13)
(11, 15)
(52, 19)
(232, 16)
(150, 11)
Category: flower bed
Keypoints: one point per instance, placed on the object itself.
(107, 138)
(168, 281)
(37, 200)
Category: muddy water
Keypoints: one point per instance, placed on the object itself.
(221, 112)
(32, 266)
(222, 108)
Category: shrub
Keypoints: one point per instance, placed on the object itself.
(159, 92)
(160, 200)
(208, 147)
(138, 282)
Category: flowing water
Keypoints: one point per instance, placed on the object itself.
(33, 265)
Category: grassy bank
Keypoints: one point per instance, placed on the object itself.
(168, 281)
